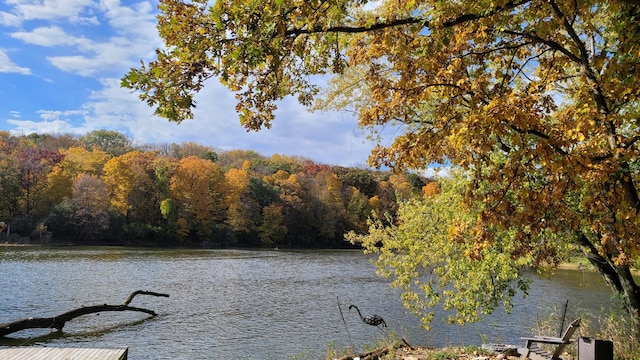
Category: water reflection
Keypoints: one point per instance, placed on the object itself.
(246, 303)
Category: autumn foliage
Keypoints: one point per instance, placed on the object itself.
(59, 189)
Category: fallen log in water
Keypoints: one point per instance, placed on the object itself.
(58, 322)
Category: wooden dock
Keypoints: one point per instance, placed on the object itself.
(50, 353)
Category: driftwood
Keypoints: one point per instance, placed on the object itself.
(58, 322)
(378, 353)
(371, 355)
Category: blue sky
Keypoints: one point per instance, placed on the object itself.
(60, 67)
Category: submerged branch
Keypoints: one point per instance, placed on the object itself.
(58, 322)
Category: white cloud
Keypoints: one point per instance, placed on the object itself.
(7, 66)
(8, 19)
(49, 36)
(71, 10)
(132, 29)
(57, 126)
(117, 108)
(80, 65)
(442, 171)
(116, 55)
(138, 19)
(56, 115)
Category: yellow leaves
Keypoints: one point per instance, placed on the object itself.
(375, 202)
(431, 189)
(197, 187)
(118, 178)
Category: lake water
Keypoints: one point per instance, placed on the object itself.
(245, 304)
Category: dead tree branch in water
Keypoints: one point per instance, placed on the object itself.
(58, 322)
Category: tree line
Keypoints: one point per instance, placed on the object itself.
(101, 189)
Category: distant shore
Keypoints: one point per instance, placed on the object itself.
(563, 266)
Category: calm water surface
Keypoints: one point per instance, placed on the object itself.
(244, 304)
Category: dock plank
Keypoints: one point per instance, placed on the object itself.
(50, 353)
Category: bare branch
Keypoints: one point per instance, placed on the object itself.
(58, 322)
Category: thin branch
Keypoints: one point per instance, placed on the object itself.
(540, 135)
(550, 43)
(584, 54)
(142, 292)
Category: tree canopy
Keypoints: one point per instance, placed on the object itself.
(164, 195)
(536, 99)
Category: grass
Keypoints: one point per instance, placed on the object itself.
(616, 326)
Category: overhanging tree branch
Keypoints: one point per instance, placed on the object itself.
(462, 19)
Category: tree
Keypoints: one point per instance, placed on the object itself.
(272, 230)
(9, 178)
(437, 271)
(77, 160)
(196, 189)
(89, 203)
(34, 167)
(187, 149)
(358, 209)
(119, 179)
(536, 99)
(328, 204)
(237, 200)
(164, 170)
(109, 141)
(144, 198)
(80, 160)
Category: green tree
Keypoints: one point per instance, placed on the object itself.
(271, 230)
(109, 141)
(536, 99)
(328, 205)
(9, 177)
(164, 170)
(358, 209)
(432, 264)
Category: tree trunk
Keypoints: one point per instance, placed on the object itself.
(58, 322)
(618, 277)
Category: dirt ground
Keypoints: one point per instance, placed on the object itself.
(421, 353)
(457, 354)
(407, 353)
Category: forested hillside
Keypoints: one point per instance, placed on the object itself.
(101, 189)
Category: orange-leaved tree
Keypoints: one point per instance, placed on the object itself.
(196, 188)
(536, 99)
